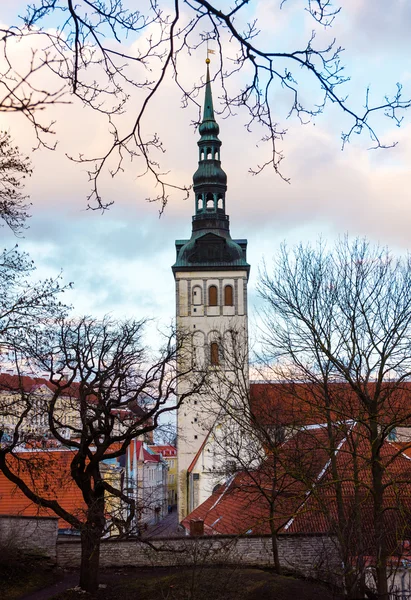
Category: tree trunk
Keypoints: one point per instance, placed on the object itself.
(274, 543)
(380, 541)
(90, 558)
(341, 523)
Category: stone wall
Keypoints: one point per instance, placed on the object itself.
(30, 533)
(312, 556)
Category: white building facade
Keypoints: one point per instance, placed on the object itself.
(146, 481)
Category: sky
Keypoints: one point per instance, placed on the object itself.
(120, 261)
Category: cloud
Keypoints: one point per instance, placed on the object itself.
(120, 261)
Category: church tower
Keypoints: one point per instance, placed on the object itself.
(211, 274)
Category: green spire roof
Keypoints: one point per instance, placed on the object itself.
(208, 113)
(208, 127)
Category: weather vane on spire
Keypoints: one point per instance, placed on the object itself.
(209, 51)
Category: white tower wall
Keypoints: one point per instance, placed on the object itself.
(197, 416)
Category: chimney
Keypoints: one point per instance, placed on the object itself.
(196, 527)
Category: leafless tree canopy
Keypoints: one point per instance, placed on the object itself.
(344, 312)
(103, 51)
(13, 169)
(106, 390)
(25, 304)
(337, 325)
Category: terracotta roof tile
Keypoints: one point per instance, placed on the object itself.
(298, 404)
(48, 474)
(303, 488)
(164, 450)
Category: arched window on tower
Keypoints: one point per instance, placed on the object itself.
(209, 154)
(210, 201)
(212, 295)
(198, 350)
(199, 202)
(197, 295)
(228, 295)
(214, 354)
(220, 202)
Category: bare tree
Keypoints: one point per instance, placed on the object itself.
(106, 391)
(24, 303)
(88, 49)
(13, 169)
(339, 321)
(260, 438)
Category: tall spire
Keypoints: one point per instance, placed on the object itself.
(210, 245)
(210, 181)
(208, 124)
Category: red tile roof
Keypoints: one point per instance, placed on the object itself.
(16, 383)
(243, 504)
(288, 403)
(164, 450)
(143, 453)
(48, 474)
(301, 484)
(27, 384)
(319, 512)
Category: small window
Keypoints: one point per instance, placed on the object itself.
(212, 295)
(228, 295)
(214, 354)
(195, 437)
(392, 436)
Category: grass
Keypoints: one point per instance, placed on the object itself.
(23, 573)
(202, 583)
